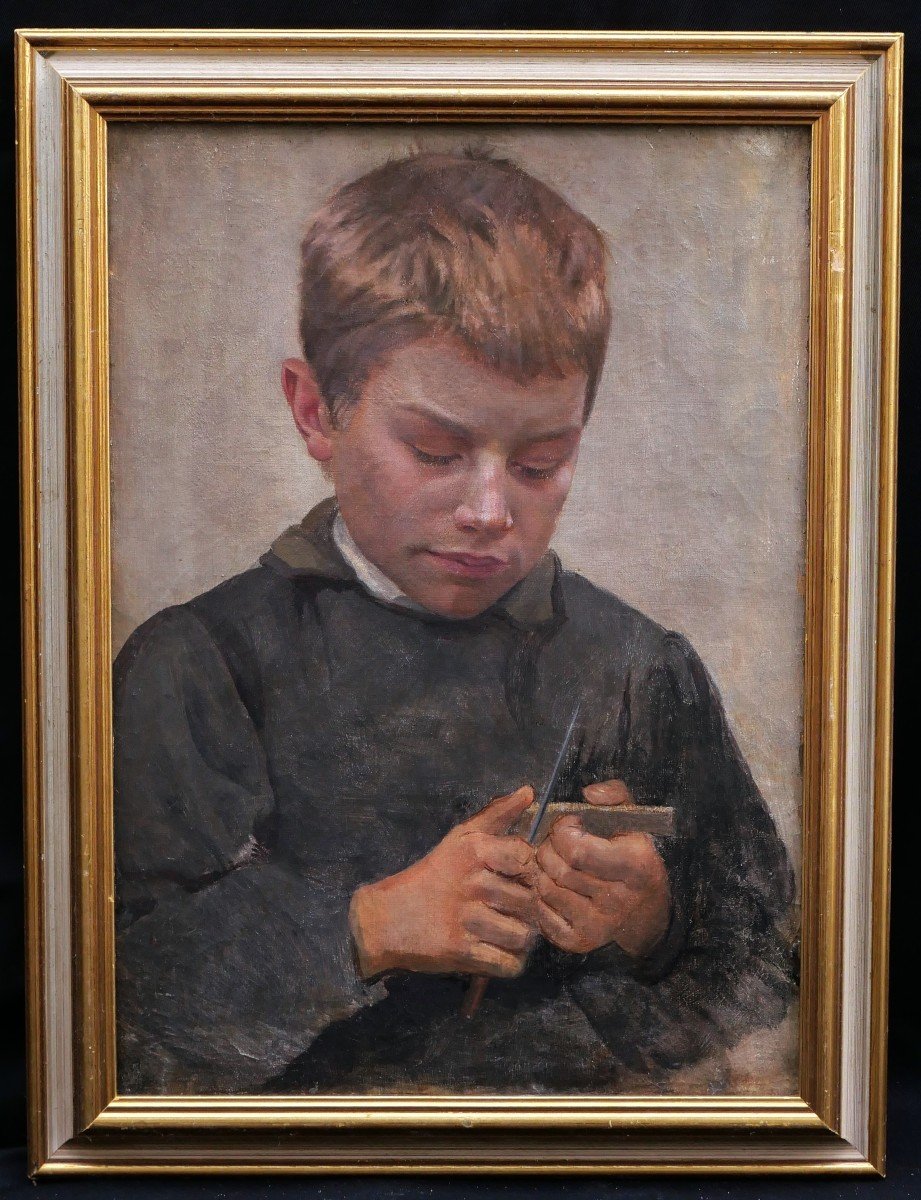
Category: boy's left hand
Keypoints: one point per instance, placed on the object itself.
(596, 890)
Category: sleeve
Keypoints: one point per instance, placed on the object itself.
(228, 962)
(727, 964)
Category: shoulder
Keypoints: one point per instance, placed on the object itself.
(595, 613)
(219, 621)
(607, 626)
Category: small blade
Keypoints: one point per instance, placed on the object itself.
(554, 775)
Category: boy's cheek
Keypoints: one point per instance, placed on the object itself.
(377, 490)
(536, 515)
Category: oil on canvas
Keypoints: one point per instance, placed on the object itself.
(458, 474)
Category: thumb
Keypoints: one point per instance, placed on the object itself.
(500, 813)
(609, 792)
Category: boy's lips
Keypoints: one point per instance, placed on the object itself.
(467, 565)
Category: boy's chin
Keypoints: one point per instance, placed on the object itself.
(459, 602)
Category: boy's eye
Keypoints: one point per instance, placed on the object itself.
(532, 472)
(432, 460)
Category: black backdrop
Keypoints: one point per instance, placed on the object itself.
(904, 1179)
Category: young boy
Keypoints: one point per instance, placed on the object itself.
(310, 866)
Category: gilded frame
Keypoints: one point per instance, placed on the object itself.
(847, 89)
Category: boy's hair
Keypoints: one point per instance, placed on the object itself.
(462, 245)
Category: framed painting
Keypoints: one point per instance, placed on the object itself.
(458, 539)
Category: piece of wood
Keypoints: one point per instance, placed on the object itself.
(603, 821)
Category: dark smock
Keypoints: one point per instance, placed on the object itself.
(285, 738)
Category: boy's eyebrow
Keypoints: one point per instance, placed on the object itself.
(460, 430)
(554, 434)
(451, 426)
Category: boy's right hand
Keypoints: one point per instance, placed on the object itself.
(468, 906)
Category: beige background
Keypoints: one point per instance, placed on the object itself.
(690, 496)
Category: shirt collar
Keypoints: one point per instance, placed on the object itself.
(312, 548)
(369, 575)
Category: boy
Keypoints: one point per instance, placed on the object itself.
(309, 865)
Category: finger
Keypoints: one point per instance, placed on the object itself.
(569, 821)
(627, 858)
(566, 876)
(506, 895)
(608, 792)
(486, 959)
(587, 853)
(508, 933)
(508, 855)
(556, 929)
(576, 909)
(499, 814)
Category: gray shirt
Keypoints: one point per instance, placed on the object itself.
(288, 736)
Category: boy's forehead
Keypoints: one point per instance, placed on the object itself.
(440, 380)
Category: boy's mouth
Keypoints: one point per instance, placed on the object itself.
(469, 566)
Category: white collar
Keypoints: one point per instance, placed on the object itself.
(371, 577)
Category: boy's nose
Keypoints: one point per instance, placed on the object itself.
(485, 506)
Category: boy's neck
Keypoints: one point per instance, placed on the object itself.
(370, 576)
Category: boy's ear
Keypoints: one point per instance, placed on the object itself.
(311, 416)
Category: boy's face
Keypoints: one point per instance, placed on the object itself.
(450, 476)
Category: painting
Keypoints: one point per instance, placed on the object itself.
(458, 501)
